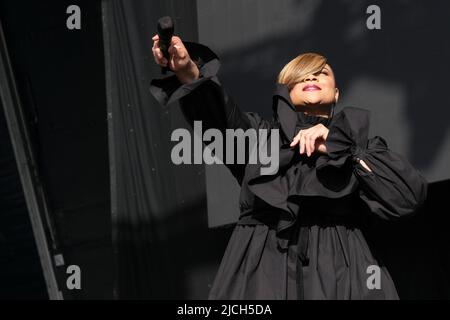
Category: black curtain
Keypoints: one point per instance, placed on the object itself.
(416, 250)
(21, 274)
(162, 243)
(60, 78)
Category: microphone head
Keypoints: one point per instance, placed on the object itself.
(165, 27)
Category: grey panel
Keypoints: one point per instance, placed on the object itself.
(398, 72)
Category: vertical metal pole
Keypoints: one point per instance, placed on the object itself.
(35, 201)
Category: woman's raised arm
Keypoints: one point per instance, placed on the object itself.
(196, 86)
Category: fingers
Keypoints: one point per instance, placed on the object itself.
(302, 143)
(172, 62)
(178, 55)
(312, 142)
(306, 139)
(299, 139)
(365, 165)
(295, 140)
(175, 43)
(175, 40)
(179, 52)
(321, 147)
(308, 144)
(157, 53)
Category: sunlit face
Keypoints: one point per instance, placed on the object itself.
(316, 91)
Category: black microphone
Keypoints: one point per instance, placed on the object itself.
(165, 32)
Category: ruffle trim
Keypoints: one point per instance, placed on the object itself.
(169, 89)
(329, 175)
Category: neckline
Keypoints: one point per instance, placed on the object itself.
(282, 91)
(311, 119)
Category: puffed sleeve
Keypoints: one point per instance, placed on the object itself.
(394, 188)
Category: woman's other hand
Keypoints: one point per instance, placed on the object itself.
(179, 60)
(311, 139)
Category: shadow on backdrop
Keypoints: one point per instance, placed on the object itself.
(162, 243)
(398, 72)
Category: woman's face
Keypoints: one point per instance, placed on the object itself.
(316, 90)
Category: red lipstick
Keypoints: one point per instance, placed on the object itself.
(311, 87)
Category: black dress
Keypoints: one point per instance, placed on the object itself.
(300, 231)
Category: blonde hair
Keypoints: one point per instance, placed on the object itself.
(298, 68)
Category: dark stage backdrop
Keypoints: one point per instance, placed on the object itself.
(387, 71)
(390, 71)
(21, 274)
(61, 82)
(162, 243)
(163, 246)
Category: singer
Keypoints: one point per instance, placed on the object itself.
(301, 232)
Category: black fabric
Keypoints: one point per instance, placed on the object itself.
(312, 247)
(159, 218)
(21, 275)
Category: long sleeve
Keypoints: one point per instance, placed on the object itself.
(205, 98)
(394, 188)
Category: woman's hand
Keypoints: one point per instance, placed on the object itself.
(311, 139)
(179, 60)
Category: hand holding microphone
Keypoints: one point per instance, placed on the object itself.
(165, 28)
(175, 58)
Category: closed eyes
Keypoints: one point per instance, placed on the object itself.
(324, 71)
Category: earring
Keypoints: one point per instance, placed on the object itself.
(331, 114)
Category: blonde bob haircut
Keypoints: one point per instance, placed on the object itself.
(301, 66)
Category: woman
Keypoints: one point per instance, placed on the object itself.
(300, 231)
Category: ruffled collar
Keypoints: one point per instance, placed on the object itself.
(297, 176)
(291, 120)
